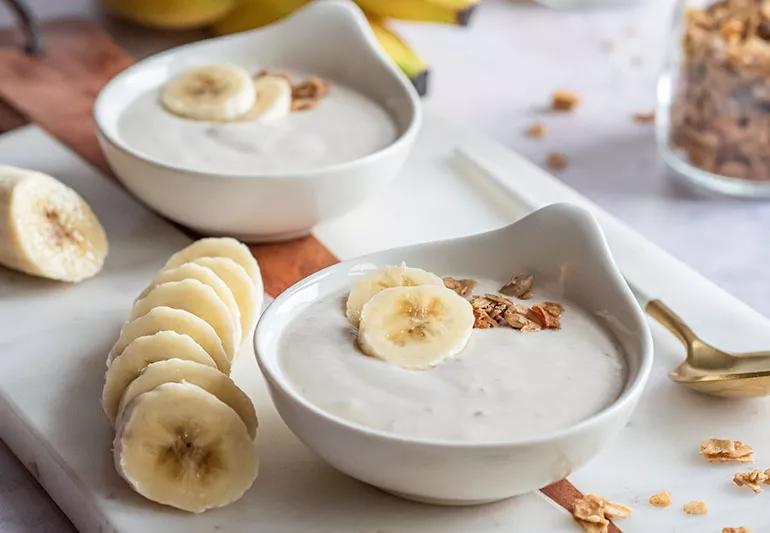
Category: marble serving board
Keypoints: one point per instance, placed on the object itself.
(53, 340)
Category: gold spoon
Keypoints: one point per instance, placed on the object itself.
(710, 370)
(706, 369)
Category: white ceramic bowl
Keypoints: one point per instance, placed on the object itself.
(331, 39)
(560, 244)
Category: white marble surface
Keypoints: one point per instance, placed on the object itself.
(497, 76)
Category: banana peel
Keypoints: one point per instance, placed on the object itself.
(249, 14)
(170, 14)
(402, 55)
(442, 11)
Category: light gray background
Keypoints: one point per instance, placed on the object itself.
(497, 76)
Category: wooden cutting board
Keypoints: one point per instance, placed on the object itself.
(56, 91)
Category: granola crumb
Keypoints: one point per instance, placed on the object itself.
(564, 100)
(646, 117)
(519, 286)
(740, 529)
(726, 450)
(547, 314)
(536, 130)
(461, 286)
(594, 512)
(661, 499)
(556, 161)
(304, 95)
(752, 479)
(307, 94)
(695, 507)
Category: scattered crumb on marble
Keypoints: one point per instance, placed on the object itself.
(644, 117)
(564, 100)
(556, 161)
(536, 130)
(695, 507)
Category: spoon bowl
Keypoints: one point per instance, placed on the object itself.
(710, 370)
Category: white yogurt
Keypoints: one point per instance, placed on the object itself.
(344, 126)
(505, 385)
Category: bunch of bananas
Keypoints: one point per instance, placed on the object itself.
(230, 16)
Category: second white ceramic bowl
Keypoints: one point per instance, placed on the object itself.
(331, 39)
(562, 245)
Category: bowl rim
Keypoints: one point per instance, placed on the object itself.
(313, 9)
(629, 395)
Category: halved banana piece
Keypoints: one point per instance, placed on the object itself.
(220, 247)
(199, 299)
(178, 320)
(141, 352)
(247, 297)
(415, 327)
(385, 278)
(208, 378)
(47, 229)
(210, 92)
(207, 277)
(273, 99)
(181, 446)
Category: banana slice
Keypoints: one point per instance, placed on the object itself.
(207, 277)
(247, 297)
(177, 320)
(415, 327)
(140, 353)
(273, 99)
(220, 247)
(210, 92)
(395, 276)
(181, 446)
(47, 229)
(199, 299)
(208, 378)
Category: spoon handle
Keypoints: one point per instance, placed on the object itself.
(673, 322)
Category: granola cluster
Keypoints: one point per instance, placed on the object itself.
(726, 450)
(463, 287)
(695, 507)
(740, 529)
(752, 479)
(720, 116)
(304, 95)
(661, 499)
(594, 513)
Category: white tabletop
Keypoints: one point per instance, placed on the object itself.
(496, 76)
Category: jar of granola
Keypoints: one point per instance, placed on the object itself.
(714, 96)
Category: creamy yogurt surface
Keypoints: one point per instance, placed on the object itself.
(505, 384)
(344, 126)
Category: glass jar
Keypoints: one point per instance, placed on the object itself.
(713, 117)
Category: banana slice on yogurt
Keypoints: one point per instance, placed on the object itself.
(385, 278)
(415, 327)
(47, 229)
(180, 445)
(273, 99)
(220, 92)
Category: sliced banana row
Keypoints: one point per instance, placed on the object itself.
(407, 316)
(224, 92)
(184, 430)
